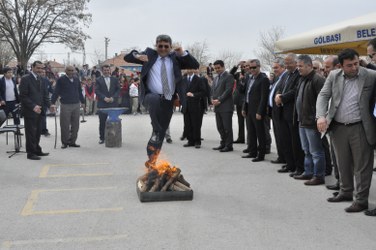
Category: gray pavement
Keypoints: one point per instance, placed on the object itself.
(85, 198)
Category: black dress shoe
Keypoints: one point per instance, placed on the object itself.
(303, 177)
(188, 145)
(370, 212)
(278, 161)
(333, 187)
(246, 150)
(33, 157)
(226, 149)
(74, 145)
(64, 146)
(239, 141)
(339, 198)
(284, 169)
(258, 158)
(169, 140)
(249, 156)
(356, 207)
(101, 141)
(197, 146)
(374, 169)
(219, 147)
(296, 173)
(182, 138)
(42, 154)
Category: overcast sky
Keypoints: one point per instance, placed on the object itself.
(225, 25)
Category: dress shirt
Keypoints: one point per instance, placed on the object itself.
(250, 83)
(348, 109)
(154, 80)
(272, 91)
(9, 90)
(107, 80)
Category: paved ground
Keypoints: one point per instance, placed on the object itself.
(86, 199)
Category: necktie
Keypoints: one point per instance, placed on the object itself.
(166, 88)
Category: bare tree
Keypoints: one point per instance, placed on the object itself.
(97, 57)
(26, 24)
(6, 53)
(200, 51)
(266, 53)
(230, 58)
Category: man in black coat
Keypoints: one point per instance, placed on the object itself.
(107, 89)
(193, 109)
(254, 109)
(34, 96)
(160, 80)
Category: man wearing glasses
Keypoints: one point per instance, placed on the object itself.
(160, 80)
(254, 109)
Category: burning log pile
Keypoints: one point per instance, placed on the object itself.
(163, 178)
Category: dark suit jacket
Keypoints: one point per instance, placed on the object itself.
(179, 63)
(222, 90)
(32, 94)
(101, 91)
(258, 95)
(3, 88)
(197, 88)
(238, 95)
(288, 95)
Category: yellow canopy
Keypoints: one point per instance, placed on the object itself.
(353, 33)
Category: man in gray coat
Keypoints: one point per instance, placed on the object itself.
(345, 105)
(222, 87)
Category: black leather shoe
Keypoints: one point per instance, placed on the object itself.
(64, 146)
(258, 158)
(42, 154)
(374, 169)
(278, 161)
(219, 147)
(188, 145)
(226, 149)
(339, 198)
(197, 146)
(356, 207)
(182, 138)
(169, 140)
(249, 156)
(296, 173)
(33, 157)
(101, 142)
(239, 141)
(333, 187)
(284, 169)
(303, 177)
(74, 145)
(370, 212)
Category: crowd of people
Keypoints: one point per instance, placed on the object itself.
(322, 113)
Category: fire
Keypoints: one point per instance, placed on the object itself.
(163, 167)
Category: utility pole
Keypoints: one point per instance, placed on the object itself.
(106, 41)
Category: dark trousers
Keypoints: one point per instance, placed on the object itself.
(192, 123)
(256, 135)
(10, 107)
(278, 138)
(297, 149)
(32, 133)
(160, 111)
(224, 127)
(102, 124)
(328, 160)
(241, 121)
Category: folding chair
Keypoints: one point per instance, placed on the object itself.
(16, 130)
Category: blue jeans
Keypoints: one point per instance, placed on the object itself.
(314, 159)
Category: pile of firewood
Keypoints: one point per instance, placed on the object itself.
(170, 179)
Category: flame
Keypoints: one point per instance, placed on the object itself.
(162, 167)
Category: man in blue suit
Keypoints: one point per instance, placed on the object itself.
(160, 80)
(107, 89)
